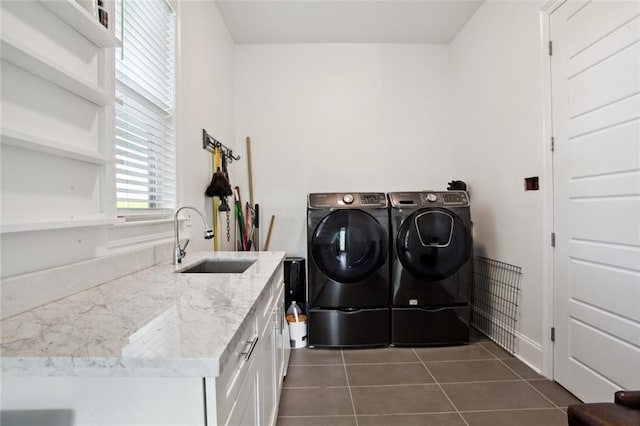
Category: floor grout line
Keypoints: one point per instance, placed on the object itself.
(353, 404)
(510, 409)
(426, 412)
(441, 389)
(318, 415)
(529, 384)
(435, 361)
(434, 383)
(525, 380)
(315, 387)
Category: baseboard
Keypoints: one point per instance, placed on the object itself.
(529, 352)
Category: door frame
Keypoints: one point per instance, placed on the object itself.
(548, 282)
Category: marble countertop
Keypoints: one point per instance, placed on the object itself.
(154, 322)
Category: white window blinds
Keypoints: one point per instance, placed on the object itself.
(145, 81)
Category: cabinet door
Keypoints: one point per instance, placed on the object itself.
(245, 410)
(281, 338)
(105, 401)
(268, 384)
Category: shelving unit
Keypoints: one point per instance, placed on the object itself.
(35, 143)
(75, 222)
(34, 123)
(83, 22)
(24, 57)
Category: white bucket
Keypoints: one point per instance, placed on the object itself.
(298, 334)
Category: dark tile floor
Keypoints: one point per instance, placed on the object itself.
(474, 385)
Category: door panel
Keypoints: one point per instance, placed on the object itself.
(622, 371)
(590, 22)
(603, 219)
(613, 150)
(608, 254)
(600, 285)
(616, 41)
(620, 112)
(595, 80)
(608, 81)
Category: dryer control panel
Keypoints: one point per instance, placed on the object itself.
(429, 198)
(348, 200)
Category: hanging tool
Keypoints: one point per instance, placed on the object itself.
(247, 226)
(224, 205)
(219, 189)
(236, 216)
(214, 210)
(249, 170)
(266, 244)
(240, 220)
(252, 235)
(256, 224)
(252, 227)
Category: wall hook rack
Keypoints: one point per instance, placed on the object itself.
(210, 143)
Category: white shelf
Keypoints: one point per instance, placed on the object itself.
(21, 55)
(73, 222)
(35, 143)
(79, 19)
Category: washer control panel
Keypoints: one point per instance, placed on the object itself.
(429, 199)
(350, 200)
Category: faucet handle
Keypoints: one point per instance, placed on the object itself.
(183, 253)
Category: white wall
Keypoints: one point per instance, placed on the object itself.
(341, 117)
(205, 100)
(498, 107)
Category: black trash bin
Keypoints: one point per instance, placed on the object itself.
(295, 282)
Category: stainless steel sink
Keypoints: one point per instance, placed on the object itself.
(219, 266)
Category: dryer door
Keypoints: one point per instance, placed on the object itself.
(433, 244)
(349, 246)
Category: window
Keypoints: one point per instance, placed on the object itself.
(145, 131)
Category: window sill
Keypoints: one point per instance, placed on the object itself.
(124, 223)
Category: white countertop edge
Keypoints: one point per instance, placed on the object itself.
(107, 367)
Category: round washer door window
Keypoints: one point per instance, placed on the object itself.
(349, 246)
(433, 244)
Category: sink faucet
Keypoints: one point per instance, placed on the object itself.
(178, 252)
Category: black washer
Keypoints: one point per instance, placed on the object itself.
(433, 243)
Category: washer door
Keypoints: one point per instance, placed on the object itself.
(349, 246)
(433, 244)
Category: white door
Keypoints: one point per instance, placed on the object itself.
(595, 79)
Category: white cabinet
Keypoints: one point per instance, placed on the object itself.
(108, 401)
(270, 361)
(246, 410)
(247, 392)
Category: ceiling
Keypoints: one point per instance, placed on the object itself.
(346, 21)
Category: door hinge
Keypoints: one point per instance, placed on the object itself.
(550, 48)
(553, 239)
(553, 334)
(553, 144)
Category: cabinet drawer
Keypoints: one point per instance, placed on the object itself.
(233, 373)
(268, 300)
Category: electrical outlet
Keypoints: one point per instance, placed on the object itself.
(531, 184)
